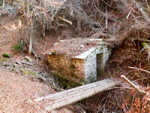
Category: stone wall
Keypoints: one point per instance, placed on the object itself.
(99, 55)
(66, 68)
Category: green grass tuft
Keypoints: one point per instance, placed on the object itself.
(18, 47)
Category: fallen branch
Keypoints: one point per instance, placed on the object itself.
(35, 54)
(142, 40)
(133, 85)
(65, 20)
(139, 69)
(42, 78)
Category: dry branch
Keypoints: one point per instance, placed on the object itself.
(65, 20)
(139, 69)
(132, 84)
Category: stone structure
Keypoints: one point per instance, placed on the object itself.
(78, 59)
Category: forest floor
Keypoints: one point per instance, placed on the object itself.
(22, 80)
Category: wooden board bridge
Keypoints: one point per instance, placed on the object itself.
(66, 97)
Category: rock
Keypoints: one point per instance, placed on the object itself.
(82, 46)
(6, 64)
(24, 71)
(18, 62)
(14, 65)
(43, 74)
(55, 44)
(12, 69)
(28, 59)
(62, 40)
(41, 78)
(27, 63)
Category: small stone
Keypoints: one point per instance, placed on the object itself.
(18, 62)
(27, 63)
(62, 40)
(6, 64)
(14, 65)
(28, 59)
(12, 69)
(55, 44)
(82, 46)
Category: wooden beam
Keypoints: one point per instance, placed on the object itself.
(70, 96)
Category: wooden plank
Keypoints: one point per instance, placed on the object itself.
(64, 98)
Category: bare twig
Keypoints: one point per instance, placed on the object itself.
(65, 20)
(44, 47)
(106, 19)
(35, 54)
(132, 84)
(139, 69)
(128, 14)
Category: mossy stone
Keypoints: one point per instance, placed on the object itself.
(6, 55)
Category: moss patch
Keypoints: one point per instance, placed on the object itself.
(6, 55)
(31, 73)
(66, 83)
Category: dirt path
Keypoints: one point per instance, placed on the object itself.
(16, 93)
